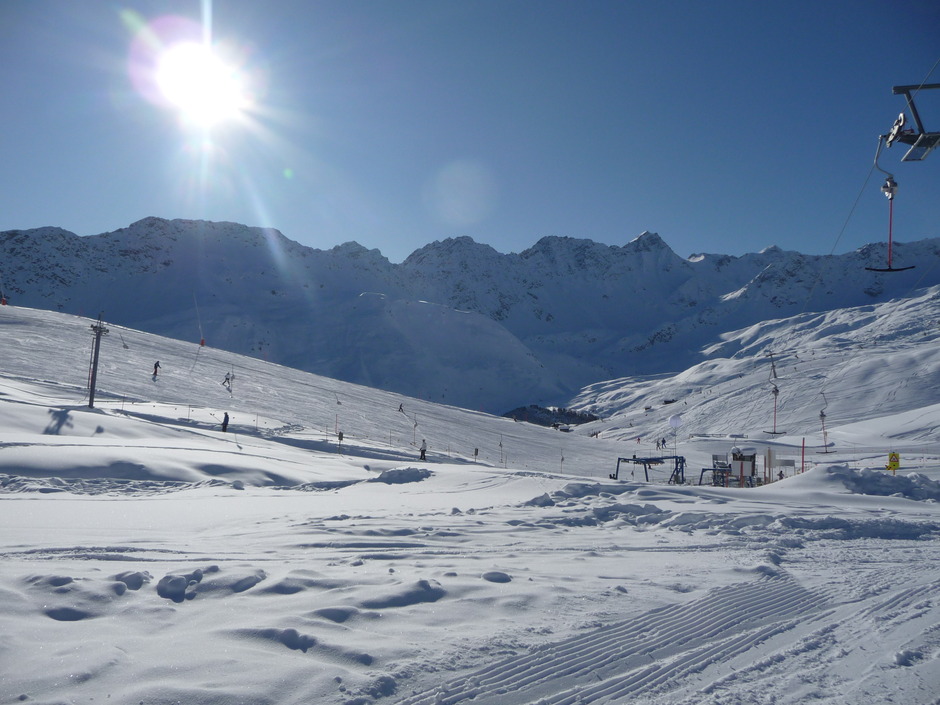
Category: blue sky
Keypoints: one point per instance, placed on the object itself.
(724, 126)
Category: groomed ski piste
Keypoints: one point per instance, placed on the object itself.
(148, 557)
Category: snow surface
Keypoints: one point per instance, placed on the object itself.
(150, 558)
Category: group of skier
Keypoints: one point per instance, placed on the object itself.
(229, 379)
(424, 444)
(227, 383)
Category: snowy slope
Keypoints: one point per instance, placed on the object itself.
(148, 557)
(884, 354)
(562, 314)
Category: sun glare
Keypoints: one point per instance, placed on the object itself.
(200, 85)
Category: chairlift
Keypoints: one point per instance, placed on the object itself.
(921, 143)
(920, 140)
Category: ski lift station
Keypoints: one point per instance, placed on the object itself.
(740, 467)
(737, 469)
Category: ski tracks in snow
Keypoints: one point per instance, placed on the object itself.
(640, 656)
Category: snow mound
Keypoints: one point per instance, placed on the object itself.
(421, 591)
(497, 576)
(399, 476)
(868, 481)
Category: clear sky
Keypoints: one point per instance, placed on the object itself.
(725, 126)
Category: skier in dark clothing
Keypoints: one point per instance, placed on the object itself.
(156, 366)
(225, 422)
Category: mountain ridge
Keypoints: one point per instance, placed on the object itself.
(562, 314)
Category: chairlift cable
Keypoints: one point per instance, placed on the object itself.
(933, 68)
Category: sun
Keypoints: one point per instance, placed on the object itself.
(201, 86)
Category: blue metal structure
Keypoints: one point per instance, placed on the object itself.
(677, 477)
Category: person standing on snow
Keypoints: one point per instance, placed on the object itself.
(225, 422)
(424, 449)
(156, 366)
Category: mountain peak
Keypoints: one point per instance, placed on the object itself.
(351, 249)
(149, 222)
(648, 242)
(451, 249)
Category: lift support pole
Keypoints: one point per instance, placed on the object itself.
(99, 330)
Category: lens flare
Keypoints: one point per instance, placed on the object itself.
(200, 84)
(216, 88)
(173, 65)
(462, 193)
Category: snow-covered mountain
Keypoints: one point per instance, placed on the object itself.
(456, 322)
(827, 369)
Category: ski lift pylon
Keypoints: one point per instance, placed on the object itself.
(776, 393)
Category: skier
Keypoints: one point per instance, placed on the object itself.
(156, 366)
(225, 422)
(401, 407)
(424, 449)
(227, 382)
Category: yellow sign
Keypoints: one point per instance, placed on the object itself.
(894, 462)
